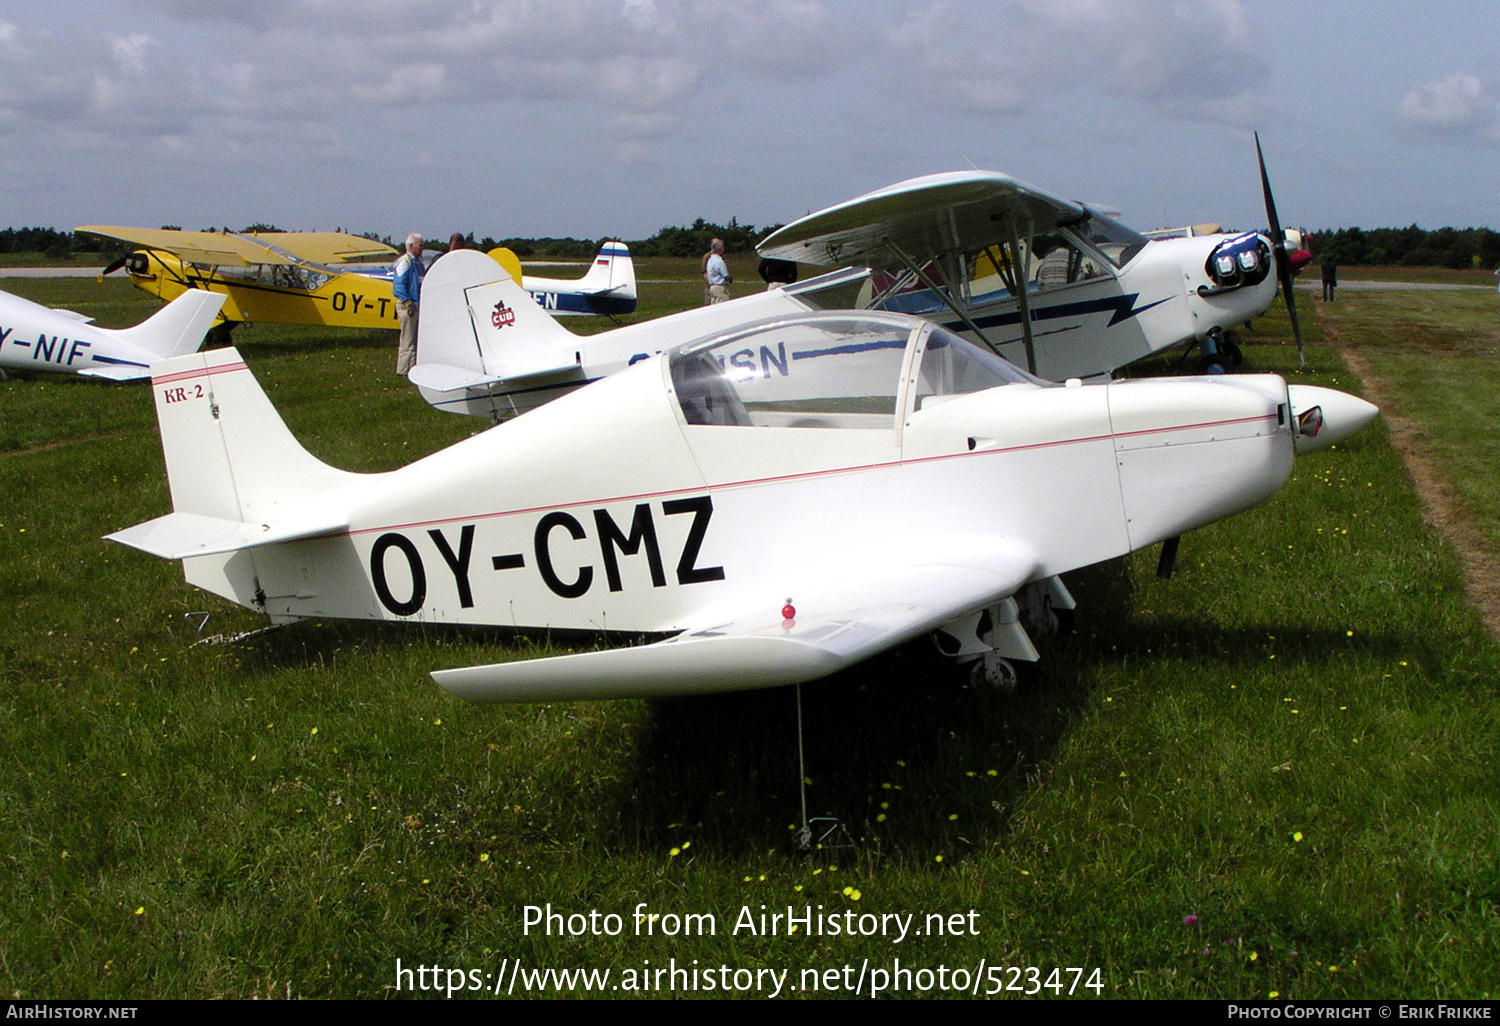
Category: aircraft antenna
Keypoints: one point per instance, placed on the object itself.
(827, 824)
(804, 837)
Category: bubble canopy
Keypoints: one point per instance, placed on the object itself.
(830, 370)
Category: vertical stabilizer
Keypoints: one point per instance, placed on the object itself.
(229, 454)
(178, 328)
(478, 327)
(612, 271)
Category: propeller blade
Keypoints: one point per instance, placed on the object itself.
(114, 266)
(1284, 269)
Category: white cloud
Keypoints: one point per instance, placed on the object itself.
(1157, 51)
(410, 83)
(1002, 57)
(1457, 108)
(129, 52)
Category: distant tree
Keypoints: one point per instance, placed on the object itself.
(693, 240)
(1411, 246)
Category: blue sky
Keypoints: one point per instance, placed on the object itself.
(615, 117)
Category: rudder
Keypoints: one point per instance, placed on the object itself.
(229, 454)
(177, 328)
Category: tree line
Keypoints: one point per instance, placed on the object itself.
(673, 240)
(1411, 246)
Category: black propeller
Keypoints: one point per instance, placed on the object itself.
(1278, 248)
(114, 266)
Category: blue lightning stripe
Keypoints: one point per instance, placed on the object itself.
(853, 347)
(117, 361)
(1121, 307)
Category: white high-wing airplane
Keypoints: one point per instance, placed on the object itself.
(1093, 295)
(38, 338)
(778, 527)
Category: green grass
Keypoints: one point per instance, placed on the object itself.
(1438, 351)
(293, 813)
(1431, 275)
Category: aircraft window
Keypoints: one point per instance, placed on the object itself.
(952, 366)
(291, 277)
(824, 372)
(1051, 259)
(837, 290)
(1117, 242)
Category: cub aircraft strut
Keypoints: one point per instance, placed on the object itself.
(908, 481)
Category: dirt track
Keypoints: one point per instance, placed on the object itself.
(1443, 509)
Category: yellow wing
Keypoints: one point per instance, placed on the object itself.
(331, 247)
(232, 249)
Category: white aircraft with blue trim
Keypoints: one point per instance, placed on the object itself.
(38, 338)
(773, 528)
(607, 288)
(1092, 295)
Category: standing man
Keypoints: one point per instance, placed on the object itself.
(716, 271)
(408, 290)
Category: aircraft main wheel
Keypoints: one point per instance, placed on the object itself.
(1231, 349)
(994, 673)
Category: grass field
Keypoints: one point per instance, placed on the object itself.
(1272, 774)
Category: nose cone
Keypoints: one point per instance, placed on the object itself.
(1324, 416)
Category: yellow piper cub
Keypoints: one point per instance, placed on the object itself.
(329, 278)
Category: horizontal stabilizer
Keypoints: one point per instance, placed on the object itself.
(443, 377)
(182, 535)
(122, 372)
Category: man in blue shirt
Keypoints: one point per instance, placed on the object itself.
(407, 288)
(716, 272)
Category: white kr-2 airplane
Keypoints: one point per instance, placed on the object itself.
(774, 528)
(38, 338)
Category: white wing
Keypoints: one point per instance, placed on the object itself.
(836, 626)
(960, 211)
